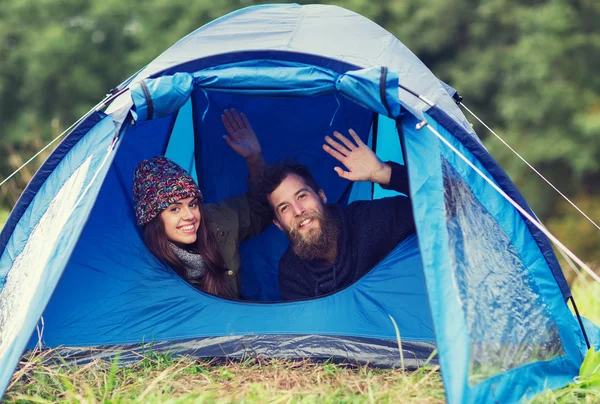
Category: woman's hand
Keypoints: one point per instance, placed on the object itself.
(242, 138)
(359, 159)
(243, 141)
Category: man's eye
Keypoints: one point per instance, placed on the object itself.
(301, 196)
(283, 208)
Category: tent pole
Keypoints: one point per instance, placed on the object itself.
(587, 341)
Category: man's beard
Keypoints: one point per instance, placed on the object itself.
(315, 244)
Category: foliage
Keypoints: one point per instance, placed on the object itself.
(586, 293)
(589, 374)
(3, 217)
(61, 57)
(574, 229)
(586, 387)
(526, 68)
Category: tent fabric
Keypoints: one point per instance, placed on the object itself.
(499, 322)
(499, 175)
(40, 177)
(461, 341)
(375, 88)
(44, 237)
(332, 348)
(296, 31)
(162, 96)
(157, 299)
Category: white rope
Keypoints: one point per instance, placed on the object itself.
(565, 256)
(51, 143)
(518, 207)
(571, 263)
(530, 166)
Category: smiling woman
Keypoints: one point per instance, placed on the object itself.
(201, 243)
(181, 220)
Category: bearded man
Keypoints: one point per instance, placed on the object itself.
(333, 246)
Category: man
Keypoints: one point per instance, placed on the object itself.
(331, 246)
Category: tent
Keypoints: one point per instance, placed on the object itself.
(478, 283)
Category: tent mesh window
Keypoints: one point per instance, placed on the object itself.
(508, 322)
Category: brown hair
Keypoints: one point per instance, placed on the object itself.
(274, 175)
(213, 280)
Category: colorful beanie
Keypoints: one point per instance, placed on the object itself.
(157, 183)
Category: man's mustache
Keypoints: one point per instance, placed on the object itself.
(308, 215)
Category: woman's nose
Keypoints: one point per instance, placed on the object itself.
(188, 214)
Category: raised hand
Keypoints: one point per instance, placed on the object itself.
(359, 159)
(241, 138)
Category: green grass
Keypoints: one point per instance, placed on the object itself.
(160, 378)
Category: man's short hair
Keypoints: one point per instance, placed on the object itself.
(274, 175)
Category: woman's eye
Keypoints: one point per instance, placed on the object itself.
(193, 204)
(174, 209)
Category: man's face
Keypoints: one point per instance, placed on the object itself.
(302, 214)
(298, 208)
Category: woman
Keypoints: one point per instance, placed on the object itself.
(201, 242)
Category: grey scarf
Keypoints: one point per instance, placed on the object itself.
(195, 267)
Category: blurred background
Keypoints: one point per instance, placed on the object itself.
(529, 68)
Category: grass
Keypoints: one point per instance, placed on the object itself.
(160, 378)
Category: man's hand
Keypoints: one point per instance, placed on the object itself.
(362, 163)
(242, 138)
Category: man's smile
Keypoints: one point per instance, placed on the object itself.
(305, 223)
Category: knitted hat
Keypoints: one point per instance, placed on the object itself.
(157, 183)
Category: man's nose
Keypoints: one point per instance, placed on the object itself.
(298, 209)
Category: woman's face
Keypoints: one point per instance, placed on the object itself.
(181, 221)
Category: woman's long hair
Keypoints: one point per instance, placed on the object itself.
(213, 280)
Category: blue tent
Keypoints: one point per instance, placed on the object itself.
(478, 282)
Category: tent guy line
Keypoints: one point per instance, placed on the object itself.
(530, 166)
(567, 258)
(562, 253)
(513, 203)
(68, 130)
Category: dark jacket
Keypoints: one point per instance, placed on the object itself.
(369, 231)
(233, 221)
